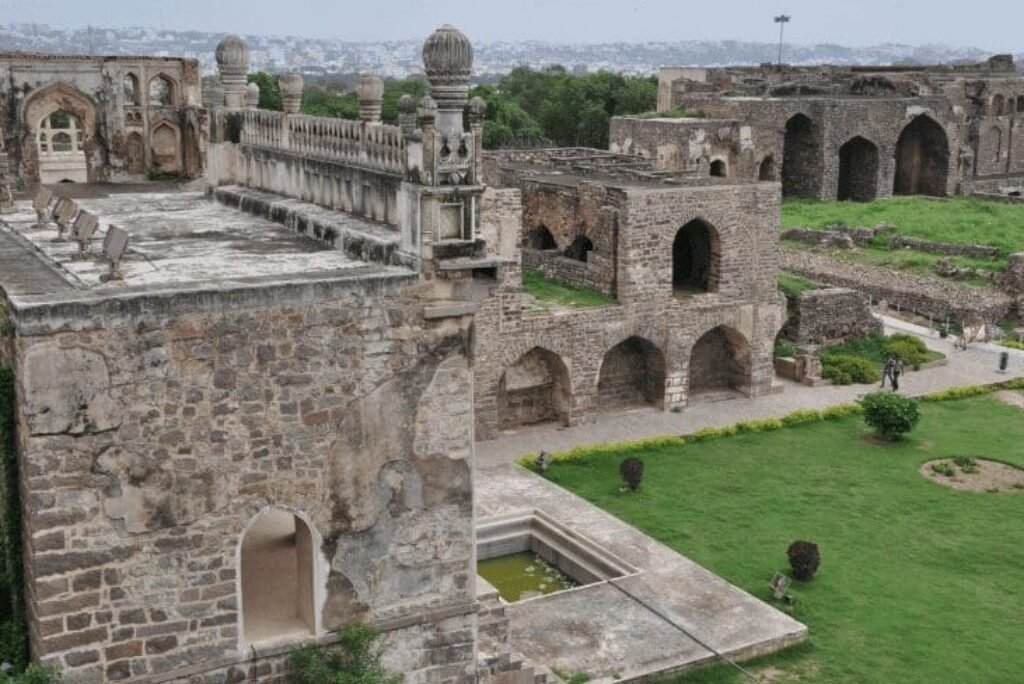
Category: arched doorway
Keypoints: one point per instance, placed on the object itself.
(766, 169)
(135, 154)
(278, 558)
(59, 140)
(632, 374)
(541, 238)
(718, 168)
(696, 254)
(164, 141)
(801, 167)
(535, 389)
(580, 248)
(720, 361)
(922, 158)
(858, 170)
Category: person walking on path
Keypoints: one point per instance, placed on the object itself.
(897, 370)
(890, 364)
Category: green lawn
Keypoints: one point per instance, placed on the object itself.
(961, 220)
(549, 291)
(793, 285)
(918, 583)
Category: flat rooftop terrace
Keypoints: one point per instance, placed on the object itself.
(179, 241)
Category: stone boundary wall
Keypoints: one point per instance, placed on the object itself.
(932, 297)
(830, 315)
(552, 264)
(999, 197)
(863, 237)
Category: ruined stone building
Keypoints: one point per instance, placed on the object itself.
(79, 118)
(257, 428)
(847, 133)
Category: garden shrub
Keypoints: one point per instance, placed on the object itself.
(762, 425)
(804, 559)
(34, 674)
(843, 369)
(891, 415)
(356, 659)
(632, 471)
(13, 631)
(907, 348)
(943, 469)
(968, 464)
(801, 417)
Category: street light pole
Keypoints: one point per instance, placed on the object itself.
(781, 20)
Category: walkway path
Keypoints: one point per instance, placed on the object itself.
(978, 365)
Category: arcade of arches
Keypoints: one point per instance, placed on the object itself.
(277, 578)
(535, 389)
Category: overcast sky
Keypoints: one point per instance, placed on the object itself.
(994, 25)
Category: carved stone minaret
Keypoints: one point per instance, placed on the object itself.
(448, 61)
(233, 66)
(370, 91)
(291, 92)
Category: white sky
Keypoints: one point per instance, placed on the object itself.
(993, 25)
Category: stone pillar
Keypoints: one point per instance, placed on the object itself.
(477, 111)
(407, 116)
(370, 91)
(6, 189)
(291, 92)
(428, 120)
(252, 96)
(233, 67)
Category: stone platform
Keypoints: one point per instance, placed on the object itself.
(668, 616)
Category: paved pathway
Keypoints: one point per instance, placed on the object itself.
(978, 365)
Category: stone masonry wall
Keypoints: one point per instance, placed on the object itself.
(153, 431)
(831, 315)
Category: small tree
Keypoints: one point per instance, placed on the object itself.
(890, 415)
(632, 471)
(356, 659)
(804, 559)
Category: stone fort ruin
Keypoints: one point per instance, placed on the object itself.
(258, 427)
(846, 133)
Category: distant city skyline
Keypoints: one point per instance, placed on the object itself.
(991, 26)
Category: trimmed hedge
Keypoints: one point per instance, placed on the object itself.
(13, 631)
(844, 369)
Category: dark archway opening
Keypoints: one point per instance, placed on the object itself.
(720, 361)
(922, 159)
(535, 389)
(632, 374)
(718, 168)
(541, 238)
(579, 248)
(695, 258)
(801, 168)
(858, 170)
(766, 170)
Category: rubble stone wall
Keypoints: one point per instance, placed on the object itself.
(831, 315)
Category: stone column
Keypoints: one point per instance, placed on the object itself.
(407, 116)
(252, 96)
(291, 92)
(233, 67)
(370, 91)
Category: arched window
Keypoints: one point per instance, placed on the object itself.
(766, 171)
(718, 168)
(695, 258)
(580, 248)
(60, 133)
(541, 238)
(858, 170)
(161, 91)
(131, 89)
(278, 577)
(922, 158)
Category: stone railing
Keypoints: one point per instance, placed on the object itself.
(374, 147)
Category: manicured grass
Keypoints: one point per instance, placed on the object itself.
(548, 290)
(962, 220)
(919, 584)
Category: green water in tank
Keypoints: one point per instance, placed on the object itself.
(523, 575)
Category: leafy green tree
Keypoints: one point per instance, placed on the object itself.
(270, 92)
(394, 89)
(506, 124)
(356, 659)
(317, 101)
(891, 415)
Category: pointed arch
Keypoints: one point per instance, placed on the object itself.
(162, 91)
(135, 154)
(801, 158)
(130, 89)
(696, 258)
(858, 170)
(766, 169)
(165, 142)
(718, 168)
(579, 249)
(720, 360)
(922, 158)
(632, 374)
(535, 389)
(541, 238)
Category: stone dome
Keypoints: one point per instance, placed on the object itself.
(477, 107)
(232, 53)
(370, 87)
(407, 104)
(253, 88)
(290, 84)
(447, 55)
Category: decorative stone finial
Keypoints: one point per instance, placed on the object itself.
(252, 95)
(370, 91)
(427, 111)
(291, 91)
(407, 115)
(448, 61)
(477, 110)
(233, 65)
